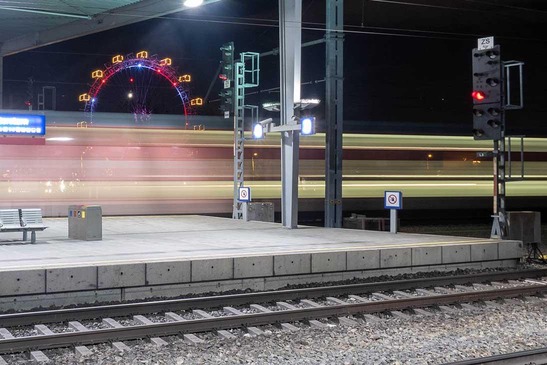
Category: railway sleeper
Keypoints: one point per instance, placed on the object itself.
(143, 320)
(312, 322)
(252, 331)
(39, 357)
(284, 325)
(222, 333)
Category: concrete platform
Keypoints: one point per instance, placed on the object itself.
(166, 256)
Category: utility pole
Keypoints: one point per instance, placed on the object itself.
(290, 50)
(334, 106)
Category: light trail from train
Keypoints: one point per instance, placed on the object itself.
(165, 171)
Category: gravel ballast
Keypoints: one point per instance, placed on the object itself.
(440, 338)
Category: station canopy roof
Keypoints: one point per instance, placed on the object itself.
(28, 24)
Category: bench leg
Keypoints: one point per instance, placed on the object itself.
(33, 237)
(25, 235)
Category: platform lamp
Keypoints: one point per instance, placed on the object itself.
(305, 124)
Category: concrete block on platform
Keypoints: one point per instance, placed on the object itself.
(498, 263)
(422, 256)
(292, 264)
(395, 257)
(363, 260)
(29, 302)
(22, 282)
(484, 252)
(253, 266)
(257, 284)
(510, 250)
(333, 276)
(213, 269)
(172, 272)
(71, 279)
(456, 253)
(175, 290)
(282, 281)
(121, 276)
(328, 262)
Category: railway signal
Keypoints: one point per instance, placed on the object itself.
(227, 61)
(227, 77)
(487, 93)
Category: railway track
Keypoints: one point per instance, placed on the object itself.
(346, 304)
(530, 357)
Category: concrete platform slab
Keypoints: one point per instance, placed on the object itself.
(167, 255)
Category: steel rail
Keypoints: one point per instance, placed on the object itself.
(115, 310)
(255, 319)
(536, 356)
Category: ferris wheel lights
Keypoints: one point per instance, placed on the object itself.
(196, 101)
(192, 3)
(166, 62)
(84, 97)
(142, 54)
(162, 67)
(97, 74)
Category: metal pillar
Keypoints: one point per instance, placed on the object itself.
(290, 44)
(239, 137)
(499, 224)
(42, 98)
(334, 102)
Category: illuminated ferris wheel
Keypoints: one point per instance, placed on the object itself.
(140, 85)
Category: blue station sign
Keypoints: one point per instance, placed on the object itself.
(23, 124)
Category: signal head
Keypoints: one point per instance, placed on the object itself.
(478, 95)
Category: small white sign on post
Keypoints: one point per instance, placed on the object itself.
(485, 43)
(393, 200)
(244, 194)
(226, 84)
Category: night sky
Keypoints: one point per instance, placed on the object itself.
(406, 63)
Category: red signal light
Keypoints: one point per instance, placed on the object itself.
(223, 77)
(131, 79)
(478, 95)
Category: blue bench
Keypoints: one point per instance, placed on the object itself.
(22, 220)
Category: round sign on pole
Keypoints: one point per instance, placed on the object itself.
(393, 200)
(244, 194)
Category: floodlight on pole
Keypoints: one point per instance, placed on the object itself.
(258, 131)
(307, 126)
(193, 3)
(260, 128)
